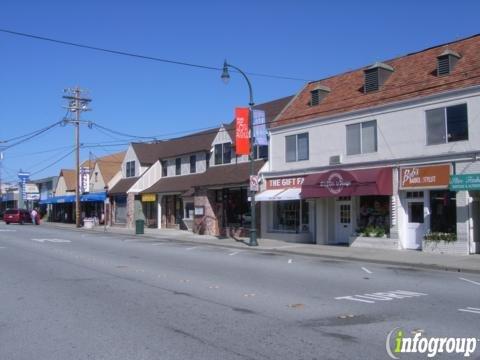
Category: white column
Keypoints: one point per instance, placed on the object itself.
(159, 212)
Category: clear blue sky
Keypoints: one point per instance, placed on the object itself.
(302, 39)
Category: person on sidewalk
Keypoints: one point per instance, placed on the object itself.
(34, 215)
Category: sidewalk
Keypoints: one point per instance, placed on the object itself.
(407, 258)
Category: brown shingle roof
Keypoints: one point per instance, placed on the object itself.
(149, 153)
(414, 75)
(110, 165)
(121, 187)
(69, 177)
(214, 176)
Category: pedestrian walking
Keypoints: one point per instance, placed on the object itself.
(34, 215)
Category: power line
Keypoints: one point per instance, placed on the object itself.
(53, 163)
(140, 56)
(26, 137)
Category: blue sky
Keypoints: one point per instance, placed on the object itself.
(302, 39)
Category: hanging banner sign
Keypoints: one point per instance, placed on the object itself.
(254, 183)
(242, 138)
(84, 180)
(259, 128)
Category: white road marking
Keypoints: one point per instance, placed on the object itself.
(366, 270)
(290, 261)
(470, 281)
(471, 310)
(52, 240)
(7, 230)
(381, 296)
(191, 248)
(233, 253)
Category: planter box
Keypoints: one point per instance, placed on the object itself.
(374, 242)
(442, 247)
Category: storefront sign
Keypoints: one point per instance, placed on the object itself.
(464, 182)
(23, 178)
(348, 183)
(148, 197)
(434, 176)
(242, 138)
(285, 183)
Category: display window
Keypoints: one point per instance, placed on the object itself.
(291, 216)
(374, 214)
(443, 211)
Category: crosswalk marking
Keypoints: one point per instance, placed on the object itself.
(470, 281)
(381, 296)
(471, 310)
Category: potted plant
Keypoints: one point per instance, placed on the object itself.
(437, 241)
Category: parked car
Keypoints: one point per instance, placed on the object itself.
(18, 216)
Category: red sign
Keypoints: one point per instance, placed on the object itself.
(242, 136)
(282, 183)
(348, 183)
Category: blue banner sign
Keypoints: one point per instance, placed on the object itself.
(259, 128)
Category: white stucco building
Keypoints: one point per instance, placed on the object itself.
(368, 157)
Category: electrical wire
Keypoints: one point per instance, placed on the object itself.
(53, 163)
(140, 56)
(30, 136)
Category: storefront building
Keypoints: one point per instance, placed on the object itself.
(384, 152)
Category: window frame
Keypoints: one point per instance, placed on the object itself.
(164, 165)
(221, 156)
(193, 164)
(129, 167)
(178, 166)
(446, 135)
(361, 139)
(296, 136)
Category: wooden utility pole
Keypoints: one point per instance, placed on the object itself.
(77, 104)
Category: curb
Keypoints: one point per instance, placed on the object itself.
(419, 266)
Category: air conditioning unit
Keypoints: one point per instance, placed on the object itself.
(335, 160)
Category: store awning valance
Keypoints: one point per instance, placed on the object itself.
(89, 197)
(376, 181)
(278, 195)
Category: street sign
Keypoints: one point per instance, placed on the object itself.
(253, 182)
(464, 182)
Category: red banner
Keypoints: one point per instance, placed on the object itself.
(242, 138)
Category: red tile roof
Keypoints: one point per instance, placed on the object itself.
(414, 76)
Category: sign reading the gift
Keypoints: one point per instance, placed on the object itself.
(282, 183)
(433, 176)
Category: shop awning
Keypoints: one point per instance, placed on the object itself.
(376, 181)
(89, 197)
(279, 195)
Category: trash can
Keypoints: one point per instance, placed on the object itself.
(139, 225)
(88, 223)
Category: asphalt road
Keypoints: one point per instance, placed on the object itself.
(73, 295)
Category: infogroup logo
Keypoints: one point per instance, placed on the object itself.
(397, 343)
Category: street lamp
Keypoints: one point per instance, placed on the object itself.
(226, 78)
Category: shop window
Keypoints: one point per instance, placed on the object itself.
(291, 216)
(443, 211)
(374, 212)
(414, 195)
(189, 210)
(237, 206)
(447, 124)
(130, 169)
(296, 147)
(223, 153)
(362, 138)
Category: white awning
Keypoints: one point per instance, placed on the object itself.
(278, 195)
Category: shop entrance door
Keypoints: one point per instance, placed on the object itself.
(343, 228)
(415, 220)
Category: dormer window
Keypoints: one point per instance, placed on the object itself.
(318, 94)
(446, 62)
(375, 76)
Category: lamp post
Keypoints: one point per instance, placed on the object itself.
(226, 78)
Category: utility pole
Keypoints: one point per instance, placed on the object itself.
(77, 104)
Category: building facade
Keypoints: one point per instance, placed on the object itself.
(367, 158)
